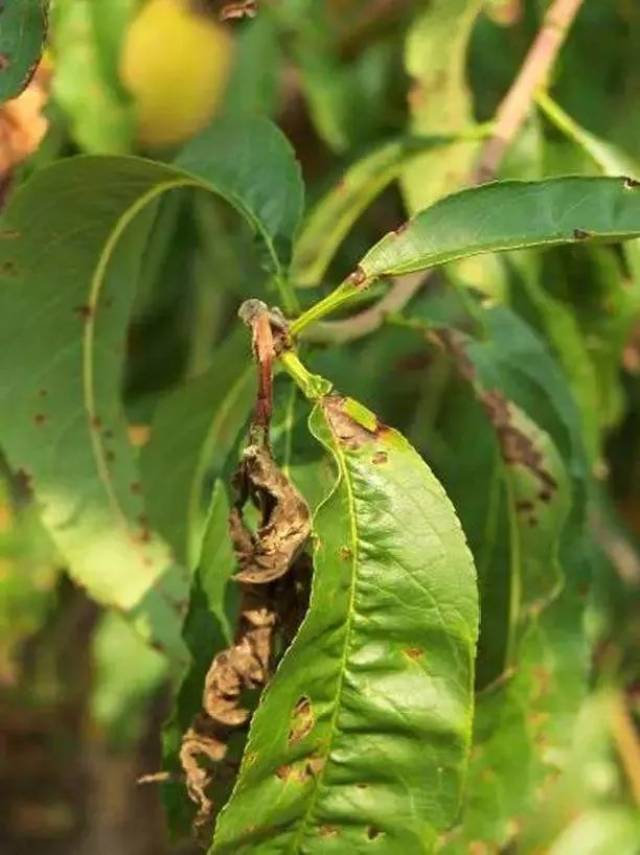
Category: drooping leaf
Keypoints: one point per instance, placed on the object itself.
(195, 427)
(509, 215)
(439, 97)
(69, 259)
(383, 662)
(23, 26)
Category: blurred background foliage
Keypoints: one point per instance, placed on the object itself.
(81, 698)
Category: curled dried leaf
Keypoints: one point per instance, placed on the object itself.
(285, 520)
(275, 579)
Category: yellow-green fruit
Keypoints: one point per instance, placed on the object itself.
(175, 63)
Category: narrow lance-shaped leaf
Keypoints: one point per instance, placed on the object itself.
(68, 261)
(496, 217)
(22, 31)
(361, 738)
(510, 215)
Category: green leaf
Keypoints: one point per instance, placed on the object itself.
(99, 111)
(194, 427)
(330, 220)
(111, 19)
(23, 26)
(439, 98)
(69, 257)
(126, 674)
(369, 713)
(523, 729)
(509, 215)
(561, 327)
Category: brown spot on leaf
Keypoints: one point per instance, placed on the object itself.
(9, 268)
(357, 278)
(373, 832)
(135, 487)
(96, 422)
(5, 61)
(581, 234)
(10, 234)
(110, 456)
(379, 457)
(454, 343)
(328, 831)
(631, 183)
(516, 446)
(302, 771)
(346, 553)
(84, 312)
(302, 721)
(42, 393)
(414, 653)
(524, 505)
(40, 419)
(349, 432)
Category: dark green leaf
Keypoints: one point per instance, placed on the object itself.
(22, 31)
(510, 215)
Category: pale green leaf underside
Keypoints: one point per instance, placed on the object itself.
(384, 661)
(509, 215)
(70, 249)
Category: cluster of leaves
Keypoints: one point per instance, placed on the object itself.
(462, 676)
